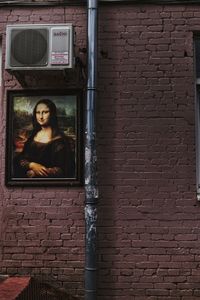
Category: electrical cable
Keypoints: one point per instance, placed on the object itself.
(4, 3)
(150, 1)
(41, 3)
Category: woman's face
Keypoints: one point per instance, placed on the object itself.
(42, 114)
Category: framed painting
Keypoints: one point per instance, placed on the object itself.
(44, 138)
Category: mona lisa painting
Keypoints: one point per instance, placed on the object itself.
(43, 138)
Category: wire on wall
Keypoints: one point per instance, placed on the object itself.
(5, 3)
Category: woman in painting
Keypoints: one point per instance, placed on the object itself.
(47, 152)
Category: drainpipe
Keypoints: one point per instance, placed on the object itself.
(91, 191)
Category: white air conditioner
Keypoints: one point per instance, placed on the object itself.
(39, 47)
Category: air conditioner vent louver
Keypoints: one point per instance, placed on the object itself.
(29, 47)
(39, 47)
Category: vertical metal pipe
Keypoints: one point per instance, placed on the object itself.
(91, 191)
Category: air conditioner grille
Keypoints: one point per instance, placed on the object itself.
(29, 47)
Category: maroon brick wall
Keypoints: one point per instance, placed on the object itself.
(42, 229)
(148, 215)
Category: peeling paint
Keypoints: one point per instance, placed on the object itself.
(87, 180)
(91, 190)
(91, 219)
(88, 155)
(90, 213)
(198, 197)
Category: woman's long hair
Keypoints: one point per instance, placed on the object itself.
(53, 120)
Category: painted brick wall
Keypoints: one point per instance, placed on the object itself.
(42, 229)
(148, 216)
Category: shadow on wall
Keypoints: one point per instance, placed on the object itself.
(73, 78)
(107, 182)
(25, 288)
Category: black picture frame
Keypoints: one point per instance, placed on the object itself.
(20, 141)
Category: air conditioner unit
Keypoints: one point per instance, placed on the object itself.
(39, 47)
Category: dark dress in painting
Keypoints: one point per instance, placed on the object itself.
(55, 155)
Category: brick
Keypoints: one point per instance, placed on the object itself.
(148, 223)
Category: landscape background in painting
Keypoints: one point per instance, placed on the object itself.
(22, 117)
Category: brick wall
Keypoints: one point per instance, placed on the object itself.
(148, 216)
(42, 229)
